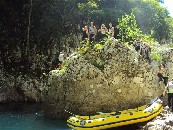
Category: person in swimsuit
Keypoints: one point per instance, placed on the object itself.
(85, 33)
(92, 32)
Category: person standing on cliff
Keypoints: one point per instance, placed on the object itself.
(138, 47)
(111, 30)
(61, 58)
(163, 74)
(103, 31)
(145, 49)
(92, 32)
(169, 90)
(137, 43)
(85, 33)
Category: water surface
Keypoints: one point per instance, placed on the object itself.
(24, 116)
(29, 116)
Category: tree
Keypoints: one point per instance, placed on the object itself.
(128, 28)
(151, 17)
(87, 10)
(28, 30)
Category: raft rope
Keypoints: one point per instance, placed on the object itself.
(70, 112)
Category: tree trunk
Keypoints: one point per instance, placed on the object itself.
(28, 30)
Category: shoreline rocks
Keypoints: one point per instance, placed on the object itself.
(164, 121)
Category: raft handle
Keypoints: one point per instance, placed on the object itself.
(131, 113)
(117, 113)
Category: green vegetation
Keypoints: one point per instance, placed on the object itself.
(34, 32)
(92, 53)
(85, 47)
(99, 63)
(156, 56)
(128, 29)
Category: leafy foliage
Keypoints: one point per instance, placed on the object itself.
(88, 9)
(85, 47)
(151, 18)
(156, 56)
(98, 46)
(128, 28)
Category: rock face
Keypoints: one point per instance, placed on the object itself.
(109, 79)
(20, 88)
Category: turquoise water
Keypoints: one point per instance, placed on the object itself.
(24, 116)
(27, 117)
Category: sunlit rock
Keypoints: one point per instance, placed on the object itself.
(110, 79)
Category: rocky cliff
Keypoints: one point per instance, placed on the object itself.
(104, 78)
(18, 88)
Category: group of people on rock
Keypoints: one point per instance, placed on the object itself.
(91, 32)
(142, 48)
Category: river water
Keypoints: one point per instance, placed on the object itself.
(29, 116)
(24, 116)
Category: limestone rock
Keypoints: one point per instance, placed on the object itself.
(22, 89)
(106, 81)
